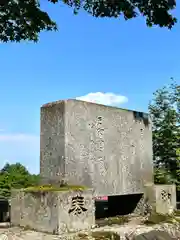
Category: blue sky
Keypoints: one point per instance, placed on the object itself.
(87, 56)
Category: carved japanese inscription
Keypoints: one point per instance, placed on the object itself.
(77, 206)
(165, 196)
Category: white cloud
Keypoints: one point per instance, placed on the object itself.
(110, 99)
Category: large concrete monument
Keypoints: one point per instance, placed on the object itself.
(105, 148)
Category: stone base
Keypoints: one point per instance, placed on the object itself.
(54, 212)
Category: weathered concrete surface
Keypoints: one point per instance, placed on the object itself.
(53, 211)
(161, 198)
(105, 148)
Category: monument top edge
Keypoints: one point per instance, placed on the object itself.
(54, 103)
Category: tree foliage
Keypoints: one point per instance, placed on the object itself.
(15, 176)
(165, 114)
(24, 19)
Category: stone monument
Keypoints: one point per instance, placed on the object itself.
(105, 148)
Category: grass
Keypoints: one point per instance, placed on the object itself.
(119, 220)
(47, 188)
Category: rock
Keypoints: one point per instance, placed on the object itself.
(154, 235)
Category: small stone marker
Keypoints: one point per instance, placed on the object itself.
(161, 198)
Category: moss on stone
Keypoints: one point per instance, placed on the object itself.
(47, 188)
(105, 235)
(83, 236)
(156, 218)
(99, 235)
(118, 220)
(177, 212)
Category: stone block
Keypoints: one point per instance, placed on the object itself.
(105, 148)
(54, 212)
(161, 198)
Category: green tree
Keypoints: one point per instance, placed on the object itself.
(24, 19)
(15, 176)
(17, 168)
(165, 114)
